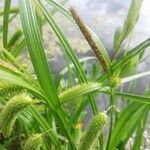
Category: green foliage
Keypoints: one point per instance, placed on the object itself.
(33, 142)
(8, 66)
(11, 111)
(57, 110)
(5, 22)
(88, 141)
(9, 89)
(15, 37)
(78, 91)
(122, 33)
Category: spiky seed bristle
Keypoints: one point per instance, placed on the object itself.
(11, 111)
(93, 131)
(33, 142)
(7, 66)
(79, 90)
(115, 81)
(85, 31)
(8, 89)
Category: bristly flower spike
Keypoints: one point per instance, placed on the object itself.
(33, 142)
(11, 111)
(93, 131)
(85, 31)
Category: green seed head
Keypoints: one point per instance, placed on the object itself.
(115, 82)
(93, 131)
(33, 142)
(8, 89)
(11, 111)
(79, 90)
(8, 67)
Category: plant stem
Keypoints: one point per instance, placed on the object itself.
(111, 116)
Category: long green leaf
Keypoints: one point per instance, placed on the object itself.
(18, 80)
(132, 97)
(67, 47)
(63, 40)
(132, 125)
(65, 70)
(45, 126)
(140, 131)
(60, 8)
(36, 50)
(132, 53)
(134, 77)
(131, 114)
(6, 22)
(122, 33)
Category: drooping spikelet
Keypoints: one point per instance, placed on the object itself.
(79, 90)
(33, 142)
(8, 89)
(85, 31)
(8, 66)
(11, 111)
(93, 131)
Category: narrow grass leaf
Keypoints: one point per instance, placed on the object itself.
(65, 70)
(132, 97)
(41, 67)
(63, 41)
(18, 80)
(122, 33)
(132, 125)
(6, 22)
(44, 124)
(132, 53)
(60, 8)
(69, 51)
(138, 141)
(134, 77)
(134, 110)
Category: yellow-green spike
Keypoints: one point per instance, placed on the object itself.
(11, 111)
(8, 89)
(93, 131)
(33, 142)
(79, 90)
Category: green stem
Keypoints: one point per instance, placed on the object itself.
(45, 126)
(6, 22)
(101, 142)
(111, 116)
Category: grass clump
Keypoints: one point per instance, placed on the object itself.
(40, 102)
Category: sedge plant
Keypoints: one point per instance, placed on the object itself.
(43, 110)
